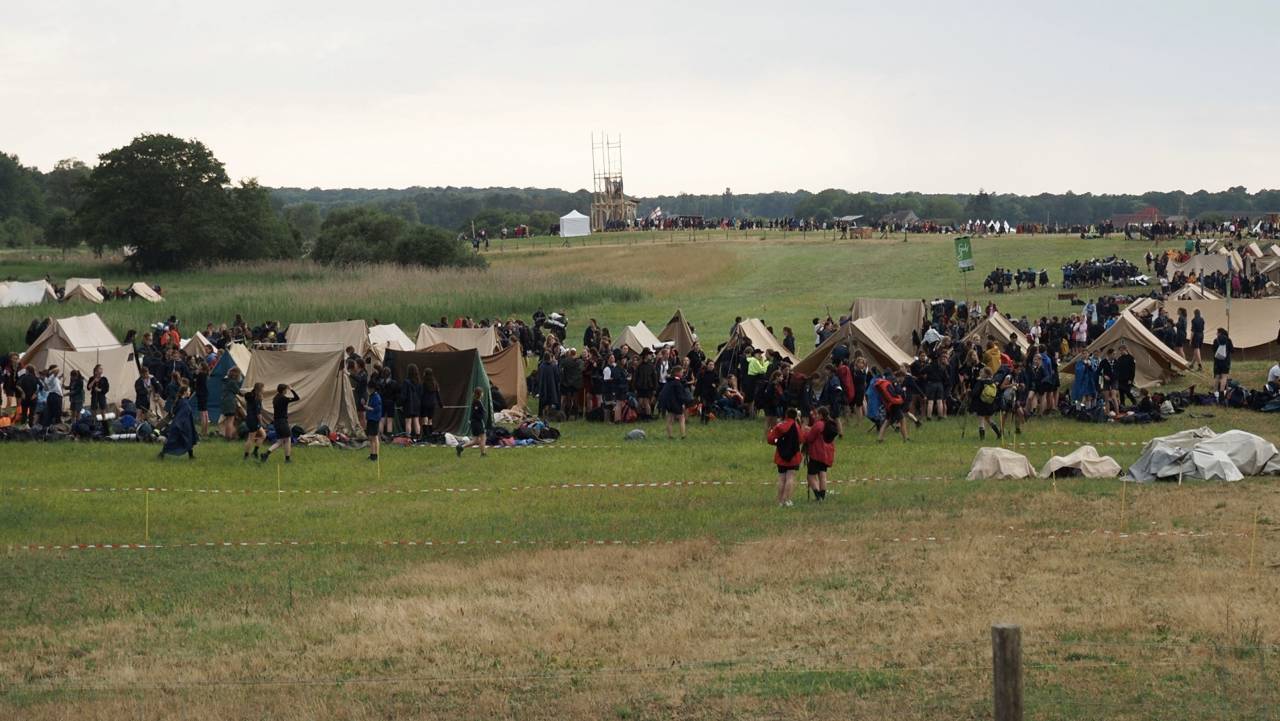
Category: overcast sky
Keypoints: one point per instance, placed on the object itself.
(931, 96)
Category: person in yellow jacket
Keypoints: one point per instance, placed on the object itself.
(991, 357)
(756, 369)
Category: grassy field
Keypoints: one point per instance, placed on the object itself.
(606, 579)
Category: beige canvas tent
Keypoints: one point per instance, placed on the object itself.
(19, 293)
(83, 292)
(1156, 362)
(679, 333)
(1193, 291)
(999, 327)
(118, 366)
(1274, 250)
(484, 340)
(79, 333)
(1254, 250)
(863, 336)
(240, 355)
(1252, 324)
(324, 392)
(638, 337)
(73, 283)
(197, 346)
(753, 331)
(1201, 265)
(899, 318)
(324, 337)
(388, 335)
(146, 292)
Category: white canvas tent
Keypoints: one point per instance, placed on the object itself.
(638, 337)
(1193, 291)
(388, 336)
(146, 292)
(325, 337)
(483, 340)
(83, 292)
(1000, 463)
(574, 224)
(197, 346)
(755, 332)
(1083, 461)
(33, 292)
(73, 283)
(78, 333)
(119, 367)
(999, 327)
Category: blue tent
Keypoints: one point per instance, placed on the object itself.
(225, 363)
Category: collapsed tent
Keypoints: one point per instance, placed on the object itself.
(388, 335)
(999, 463)
(1251, 322)
(1193, 291)
(1156, 362)
(457, 373)
(863, 336)
(638, 337)
(320, 379)
(484, 340)
(119, 367)
(33, 292)
(754, 333)
(574, 224)
(146, 292)
(1201, 453)
(1000, 328)
(679, 333)
(1083, 461)
(234, 356)
(73, 283)
(80, 333)
(900, 319)
(83, 292)
(325, 337)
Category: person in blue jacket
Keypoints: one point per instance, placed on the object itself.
(372, 420)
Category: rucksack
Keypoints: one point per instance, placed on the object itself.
(988, 393)
(788, 444)
(829, 431)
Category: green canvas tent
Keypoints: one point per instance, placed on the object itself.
(457, 373)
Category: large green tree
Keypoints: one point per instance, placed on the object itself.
(368, 235)
(21, 196)
(170, 200)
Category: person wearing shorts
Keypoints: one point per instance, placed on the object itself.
(819, 446)
(787, 455)
(480, 421)
(253, 420)
(280, 414)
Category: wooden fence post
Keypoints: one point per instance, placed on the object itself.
(1006, 661)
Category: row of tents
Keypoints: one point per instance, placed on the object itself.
(35, 292)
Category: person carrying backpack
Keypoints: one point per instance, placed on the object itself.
(983, 403)
(819, 446)
(673, 399)
(785, 439)
(893, 401)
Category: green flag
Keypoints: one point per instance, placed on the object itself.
(964, 253)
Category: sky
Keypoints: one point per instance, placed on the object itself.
(1022, 97)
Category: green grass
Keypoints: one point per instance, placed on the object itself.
(819, 611)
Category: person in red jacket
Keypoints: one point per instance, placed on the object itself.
(786, 440)
(846, 382)
(819, 445)
(893, 400)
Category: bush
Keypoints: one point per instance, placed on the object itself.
(368, 235)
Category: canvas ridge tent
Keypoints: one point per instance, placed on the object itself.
(320, 379)
(862, 335)
(1156, 362)
(197, 346)
(388, 335)
(638, 338)
(1193, 291)
(119, 367)
(506, 370)
(457, 373)
(1252, 323)
(83, 292)
(1200, 264)
(755, 333)
(900, 319)
(145, 292)
(324, 337)
(574, 224)
(73, 283)
(1000, 328)
(679, 333)
(484, 340)
(78, 333)
(18, 293)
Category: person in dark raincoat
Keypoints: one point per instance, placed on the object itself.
(548, 383)
(181, 437)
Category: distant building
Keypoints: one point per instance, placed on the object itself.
(900, 217)
(1147, 216)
